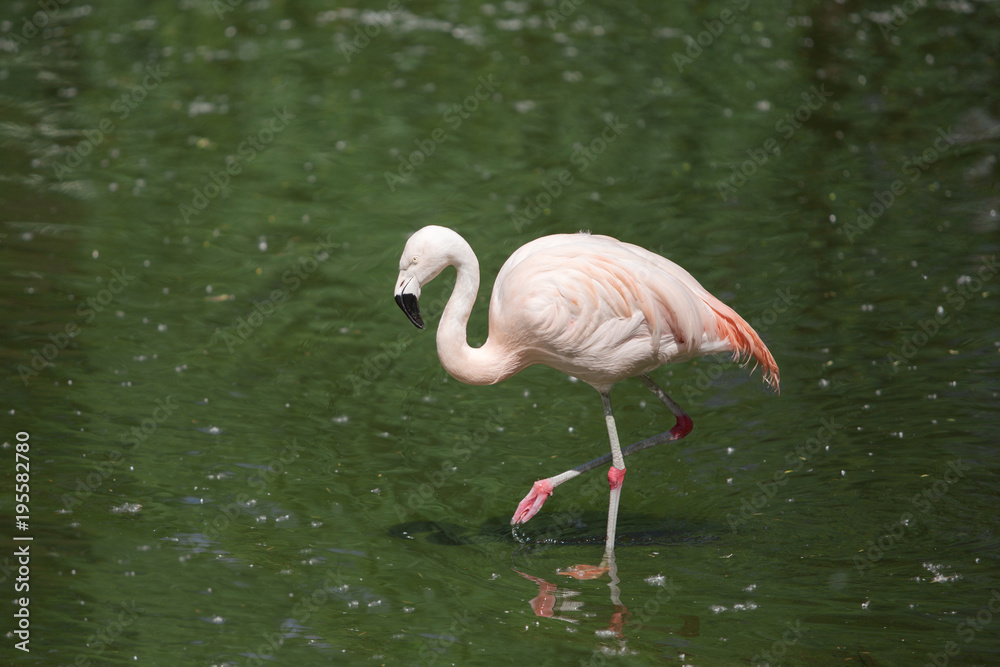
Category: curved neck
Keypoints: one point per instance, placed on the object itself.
(488, 364)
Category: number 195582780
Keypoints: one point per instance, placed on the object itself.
(22, 477)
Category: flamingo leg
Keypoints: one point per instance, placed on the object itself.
(542, 489)
(616, 474)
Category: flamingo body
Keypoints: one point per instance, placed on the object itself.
(590, 306)
(603, 310)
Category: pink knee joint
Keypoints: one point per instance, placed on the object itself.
(682, 427)
(615, 477)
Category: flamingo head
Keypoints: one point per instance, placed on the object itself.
(425, 255)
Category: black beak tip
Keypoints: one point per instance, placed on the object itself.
(408, 304)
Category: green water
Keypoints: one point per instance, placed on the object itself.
(242, 453)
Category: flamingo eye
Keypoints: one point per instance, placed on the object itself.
(413, 260)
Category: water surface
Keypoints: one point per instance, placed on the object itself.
(242, 453)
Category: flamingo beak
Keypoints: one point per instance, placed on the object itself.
(407, 293)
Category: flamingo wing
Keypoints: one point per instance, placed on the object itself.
(604, 310)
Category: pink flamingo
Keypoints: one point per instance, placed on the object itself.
(590, 306)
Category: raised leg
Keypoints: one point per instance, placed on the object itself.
(543, 488)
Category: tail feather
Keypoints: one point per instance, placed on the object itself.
(747, 344)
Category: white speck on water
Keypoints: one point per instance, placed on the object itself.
(126, 508)
(940, 578)
(656, 580)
